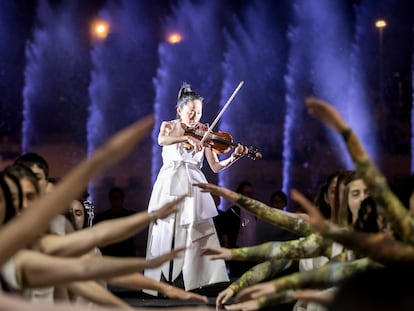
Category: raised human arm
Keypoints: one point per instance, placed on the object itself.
(392, 207)
(281, 219)
(32, 222)
(379, 246)
(103, 233)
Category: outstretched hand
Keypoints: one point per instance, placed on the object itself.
(248, 305)
(256, 291)
(217, 253)
(168, 208)
(223, 297)
(315, 218)
(322, 297)
(177, 293)
(326, 113)
(208, 187)
(158, 261)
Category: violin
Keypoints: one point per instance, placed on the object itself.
(219, 142)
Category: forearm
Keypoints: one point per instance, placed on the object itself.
(233, 158)
(113, 231)
(327, 276)
(137, 281)
(322, 297)
(379, 247)
(394, 211)
(274, 216)
(311, 246)
(165, 140)
(261, 272)
(27, 227)
(17, 303)
(37, 270)
(95, 293)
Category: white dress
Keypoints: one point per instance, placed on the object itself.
(191, 226)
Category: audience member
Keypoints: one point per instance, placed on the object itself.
(267, 232)
(125, 248)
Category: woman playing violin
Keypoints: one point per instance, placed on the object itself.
(192, 225)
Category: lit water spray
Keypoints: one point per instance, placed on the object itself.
(11, 57)
(261, 98)
(121, 91)
(327, 70)
(56, 78)
(190, 53)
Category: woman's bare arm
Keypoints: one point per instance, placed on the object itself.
(93, 292)
(38, 270)
(26, 228)
(103, 233)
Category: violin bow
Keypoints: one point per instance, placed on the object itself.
(221, 112)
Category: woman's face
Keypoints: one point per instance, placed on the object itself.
(78, 213)
(191, 113)
(29, 192)
(358, 191)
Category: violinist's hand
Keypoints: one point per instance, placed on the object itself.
(223, 297)
(240, 151)
(195, 143)
(217, 253)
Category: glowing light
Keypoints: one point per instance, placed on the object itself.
(174, 38)
(380, 23)
(100, 29)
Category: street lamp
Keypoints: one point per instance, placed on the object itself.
(99, 29)
(381, 24)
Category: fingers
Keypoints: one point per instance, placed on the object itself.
(304, 202)
(315, 217)
(202, 186)
(245, 294)
(223, 297)
(255, 291)
(244, 306)
(195, 296)
(179, 250)
(172, 205)
(209, 251)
